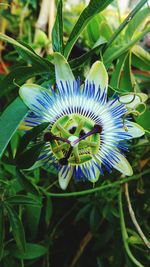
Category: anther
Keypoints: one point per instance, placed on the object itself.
(63, 161)
(72, 130)
(98, 128)
(48, 136)
(82, 133)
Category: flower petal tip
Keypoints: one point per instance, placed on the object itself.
(99, 75)
(63, 71)
(64, 177)
(123, 166)
(135, 130)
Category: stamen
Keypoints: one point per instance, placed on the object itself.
(70, 145)
(64, 161)
(72, 130)
(96, 129)
(82, 133)
(62, 130)
(76, 154)
(48, 136)
(62, 139)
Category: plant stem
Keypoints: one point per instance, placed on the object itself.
(82, 246)
(43, 15)
(42, 20)
(124, 232)
(103, 187)
(22, 263)
(51, 20)
(22, 17)
(132, 215)
(84, 243)
(124, 24)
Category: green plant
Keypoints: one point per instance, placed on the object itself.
(38, 221)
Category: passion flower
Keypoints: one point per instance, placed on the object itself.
(87, 133)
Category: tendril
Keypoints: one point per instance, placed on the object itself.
(141, 104)
(134, 95)
(16, 83)
(133, 112)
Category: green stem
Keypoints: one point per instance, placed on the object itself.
(123, 49)
(103, 187)
(133, 218)
(22, 263)
(147, 131)
(125, 22)
(124, 232)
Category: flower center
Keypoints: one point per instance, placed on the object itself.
(74, 139)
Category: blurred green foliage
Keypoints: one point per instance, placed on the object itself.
(39, 225)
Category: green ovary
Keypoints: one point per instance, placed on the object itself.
(74, 126)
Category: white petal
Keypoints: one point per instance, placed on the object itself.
(135, 130)
(98, 75)
(94, 178)
(64, 176)
(91, 172)
(63, 71)
(33, 96)
(123, 165)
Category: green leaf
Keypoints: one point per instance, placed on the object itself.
(135, 240)
(116, 76)
(17, 228)
(23, 200)
(27, 46)
(93, 28)
(94, 7)
(19, 76)
(26, 183)
(1, 231)
(10, 261)
(127, 79)
(30, 136)
(33, 251)
(27, 158)
(40, 39)
(124, 23)
(28, 54)
(75, 63)
(143, 120)
(10, 120)
(140, 58)
(135, 23)
(94, 218)
(33, 214)
(114, 52)
(105, 30)
(83, 212)
(57, 32)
